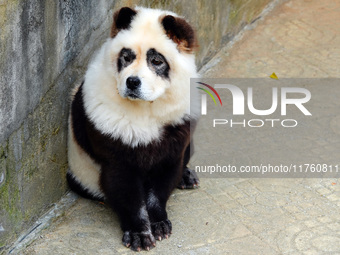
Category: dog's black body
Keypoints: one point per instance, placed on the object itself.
(131, 175)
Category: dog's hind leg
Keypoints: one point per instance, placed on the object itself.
(189, 179)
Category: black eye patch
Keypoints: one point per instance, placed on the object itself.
(157, 62)
(126, 57)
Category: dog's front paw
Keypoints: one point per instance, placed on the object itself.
(139, 240)
(161, 230)
(189, 180)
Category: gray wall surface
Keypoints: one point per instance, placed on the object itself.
(45, 47)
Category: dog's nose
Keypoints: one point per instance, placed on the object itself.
(133, 82)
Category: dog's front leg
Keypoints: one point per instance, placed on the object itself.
(161, 182)
(156, 199)
(125, 194)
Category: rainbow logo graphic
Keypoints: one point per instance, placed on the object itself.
(209, 93)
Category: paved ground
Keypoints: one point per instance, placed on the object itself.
(243, 216)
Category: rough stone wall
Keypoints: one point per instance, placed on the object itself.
(45, 47)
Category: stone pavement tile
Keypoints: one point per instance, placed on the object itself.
(249, 245)
(299, 39)
(213, 226)
(85, 221)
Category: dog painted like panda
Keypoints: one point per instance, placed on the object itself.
(129, 124)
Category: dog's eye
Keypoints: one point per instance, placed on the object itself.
(156, 62)
(127, 59)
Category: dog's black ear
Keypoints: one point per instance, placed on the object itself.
(178, 30)
(122, 20)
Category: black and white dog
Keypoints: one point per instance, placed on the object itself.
(129, 125)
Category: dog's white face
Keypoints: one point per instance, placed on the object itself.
(140, 80)
(144, 56)
(142, 74)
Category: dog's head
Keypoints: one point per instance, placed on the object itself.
(140, 79)
(149, 51)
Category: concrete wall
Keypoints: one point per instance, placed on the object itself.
(45, 47)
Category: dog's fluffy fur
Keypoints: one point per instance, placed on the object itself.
(129, 125)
